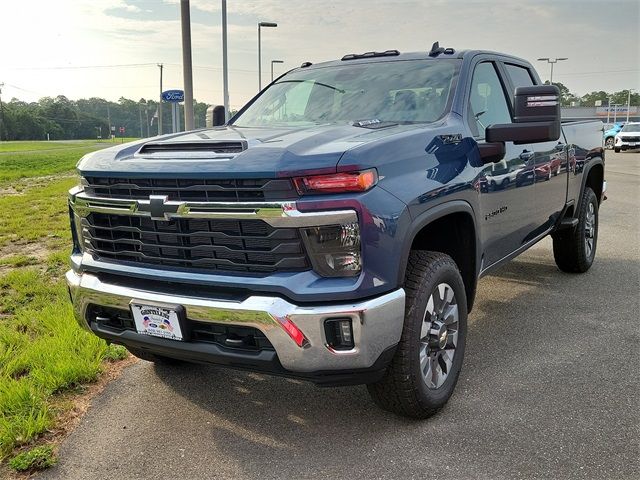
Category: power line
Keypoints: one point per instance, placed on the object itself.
(73, 67)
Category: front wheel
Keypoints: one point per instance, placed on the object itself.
(617, 149)
(428, 359)
(574, 250)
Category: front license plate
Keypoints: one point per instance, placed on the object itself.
(157, 321)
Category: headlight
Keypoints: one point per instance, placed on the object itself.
(75, 221)
(334, 250)
(618, 139)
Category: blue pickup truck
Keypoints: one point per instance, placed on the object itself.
(334, 230)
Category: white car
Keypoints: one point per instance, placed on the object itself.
(628, 137)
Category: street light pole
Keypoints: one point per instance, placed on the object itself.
(552, 61)
(272, 62)
(159, 103)
(225, 71)
(187, 70)
(260, 25)
(629, 102)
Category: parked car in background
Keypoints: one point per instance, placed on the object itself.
(610, 134)
(628, 137)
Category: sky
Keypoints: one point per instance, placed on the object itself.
(111, 48)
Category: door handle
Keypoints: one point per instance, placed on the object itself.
(526, 155)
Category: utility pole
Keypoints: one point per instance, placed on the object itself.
(160, 102)
(225, 71)
(146, 117)
(187, 70)
(608, 109)
(140, 113)
(1, 112)
(109, 119)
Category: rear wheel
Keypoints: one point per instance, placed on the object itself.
(575, 249)
(428, 359)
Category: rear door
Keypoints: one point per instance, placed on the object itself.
(549, 162)
(506, 190)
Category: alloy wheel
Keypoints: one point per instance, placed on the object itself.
(439, 336)
(589, 230)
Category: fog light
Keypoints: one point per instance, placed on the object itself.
(334, 250)
(339, 333)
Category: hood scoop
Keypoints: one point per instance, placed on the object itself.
(191, 149)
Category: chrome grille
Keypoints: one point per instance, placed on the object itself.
(194, 190)
(231, 245)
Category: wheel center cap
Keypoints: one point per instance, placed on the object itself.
(439, 335)
(443, 339)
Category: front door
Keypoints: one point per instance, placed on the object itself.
(506, 187)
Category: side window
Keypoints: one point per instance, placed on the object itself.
(487, 103)
(520, 76)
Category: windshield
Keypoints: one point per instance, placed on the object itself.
(409, 91)
(631, 127)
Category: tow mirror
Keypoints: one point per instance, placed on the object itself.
(536, 117)
(218, 116)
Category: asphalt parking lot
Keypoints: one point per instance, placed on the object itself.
(549, 389)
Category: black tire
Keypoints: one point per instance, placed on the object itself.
(616, 149)
(403, 390)
(608, 142)
(152, 357)
(570, 249)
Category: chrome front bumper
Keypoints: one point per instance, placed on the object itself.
(377, 323)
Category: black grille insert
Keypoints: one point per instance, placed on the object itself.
(193, 190)
(229, 245)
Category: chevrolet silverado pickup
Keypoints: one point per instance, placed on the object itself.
(334, 230)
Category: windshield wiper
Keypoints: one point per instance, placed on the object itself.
(315, 83)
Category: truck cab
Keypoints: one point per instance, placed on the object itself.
(335, 229)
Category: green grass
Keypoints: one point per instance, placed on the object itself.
(38, 458)
(31, 146)
(18, 165)
(41, 213)
(43, 351)
(28, 146)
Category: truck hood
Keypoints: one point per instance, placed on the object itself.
(269, 152)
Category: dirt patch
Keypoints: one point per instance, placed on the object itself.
(36, 251)
(33, 249)
(69, 418)
(9, 191)
(20, 186)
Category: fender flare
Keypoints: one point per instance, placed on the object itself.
(585, 174)
(431, 215)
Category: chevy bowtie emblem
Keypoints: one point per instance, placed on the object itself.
(158, 207)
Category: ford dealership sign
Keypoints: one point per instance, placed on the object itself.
(174, 96)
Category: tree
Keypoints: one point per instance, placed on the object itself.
(566, 97)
